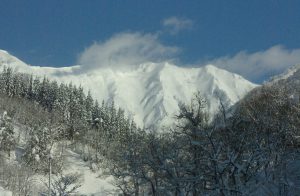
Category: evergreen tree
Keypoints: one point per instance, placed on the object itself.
(8, 80)
(41, 146)
(96, 112)
(89, 107)
(30, 92)
(7, 139)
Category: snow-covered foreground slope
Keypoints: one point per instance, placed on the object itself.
(4, 192)
(92, 184)
(150, 92)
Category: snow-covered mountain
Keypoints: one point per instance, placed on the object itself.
(150, 92)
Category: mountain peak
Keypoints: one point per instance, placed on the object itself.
(211, 67)
(4, 52)
(6, 59)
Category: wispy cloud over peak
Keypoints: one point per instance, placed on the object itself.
(175, 24)
(258, 66)
(125, 50)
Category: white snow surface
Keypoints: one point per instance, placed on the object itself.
(4, 192)
(92, 183)
(150, 92)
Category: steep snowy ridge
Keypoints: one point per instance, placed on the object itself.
(292, 72)
(150, 92)
(8, 60)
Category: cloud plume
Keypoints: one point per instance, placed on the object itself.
(260, 65)
(125, 50)
(174, 24)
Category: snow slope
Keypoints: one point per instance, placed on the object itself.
(4, 192)
(149, 92)
(92, 184)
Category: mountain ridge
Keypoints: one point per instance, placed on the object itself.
(149, 92)
(289, 73)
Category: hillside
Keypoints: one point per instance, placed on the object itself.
(22, 136)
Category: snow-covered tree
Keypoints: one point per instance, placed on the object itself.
(40, 146)
(7, 138)
(89, 102)
(64, 184)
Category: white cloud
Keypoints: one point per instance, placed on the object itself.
(125, 50)
(260, 65)
(174, 24)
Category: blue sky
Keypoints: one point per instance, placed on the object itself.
(57, 33)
